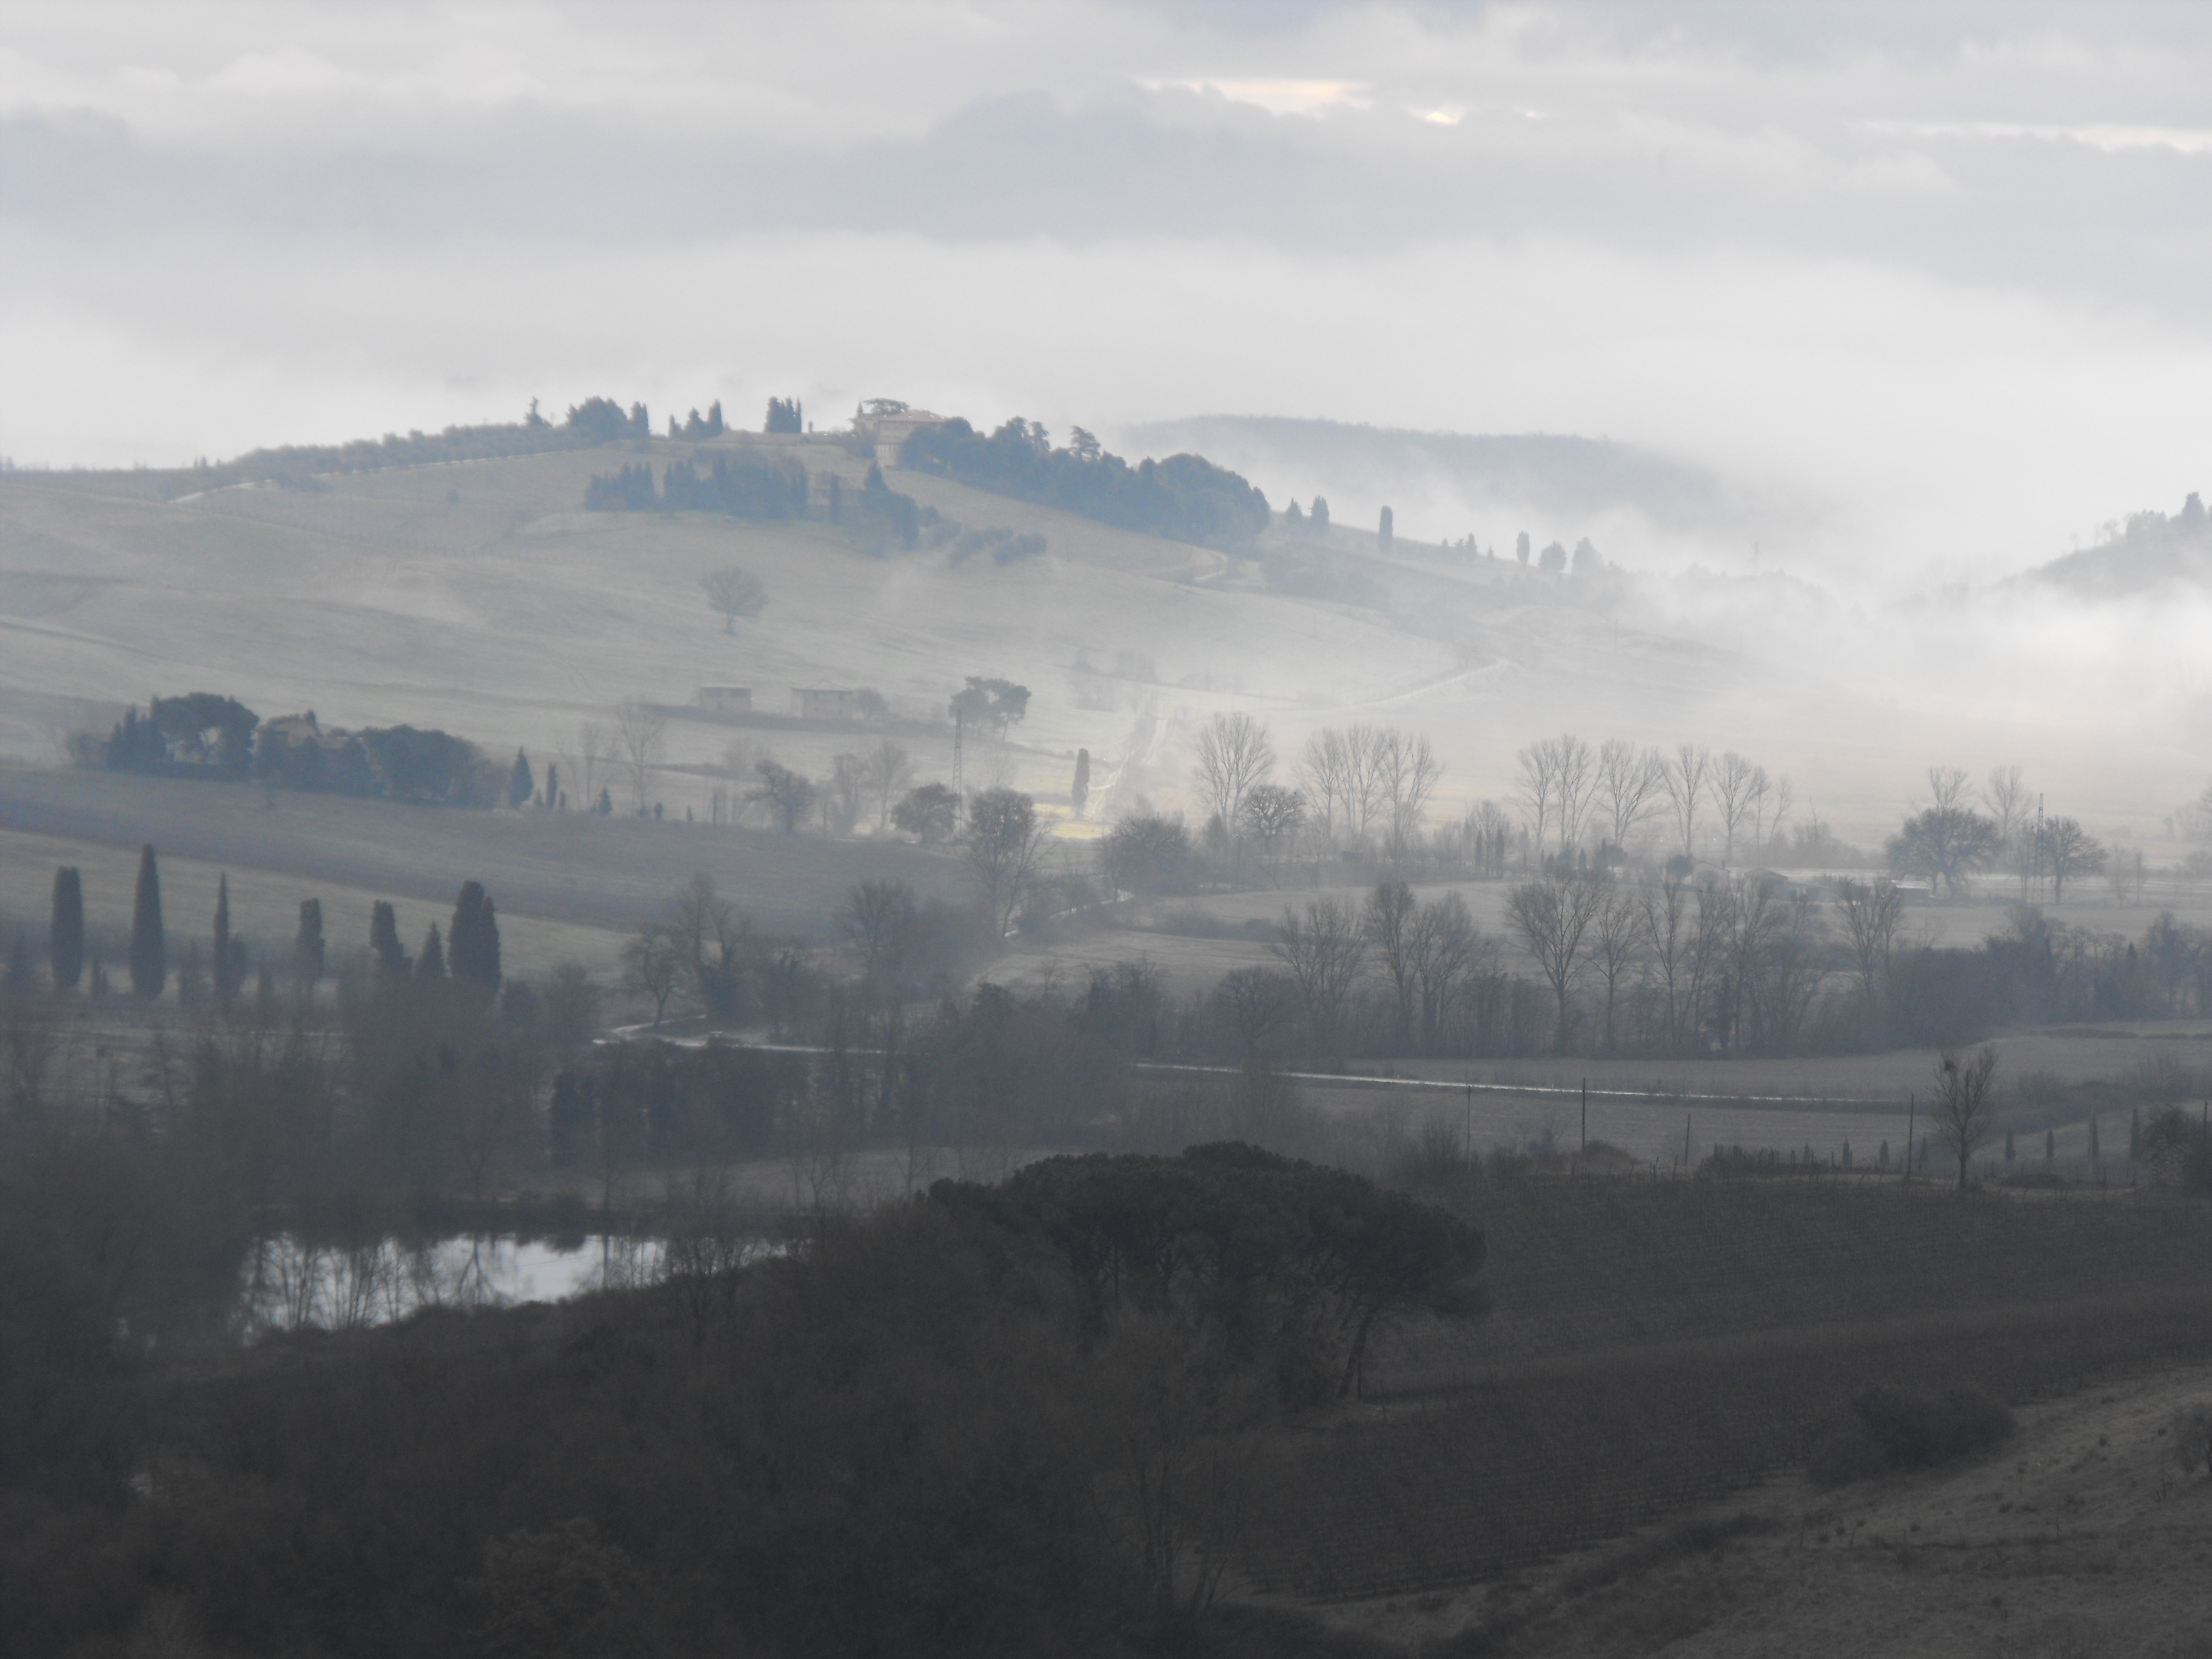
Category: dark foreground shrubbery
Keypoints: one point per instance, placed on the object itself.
(1017, 1420)
(1889, 1429)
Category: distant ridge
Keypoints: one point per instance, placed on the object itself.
(2152, 548)
(1563, 475)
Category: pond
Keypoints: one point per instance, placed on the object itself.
(290, 1284)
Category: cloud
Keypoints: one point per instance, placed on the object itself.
(1931, 277)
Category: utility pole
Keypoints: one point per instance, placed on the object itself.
(1585, 1117)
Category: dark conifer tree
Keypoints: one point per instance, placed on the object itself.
(431, 965)
(715, 428)
(65, 933)
(474, 940)
(307, 949)
(553, 783)
(520, 785)
(1080, 797)
(1385, 529)
(149, 952)
(640, 422)
(222, 940)
(1319, 519)
(391, 962)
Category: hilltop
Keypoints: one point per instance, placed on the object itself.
(2150, 549)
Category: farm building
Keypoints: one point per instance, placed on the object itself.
(823, 703)
(887, 423)
(725, 699)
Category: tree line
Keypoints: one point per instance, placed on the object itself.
(205, 734)
(1184, 497)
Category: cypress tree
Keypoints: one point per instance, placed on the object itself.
(520, 786)
(149, 952)
(553, 783)
(431, 965)
(1384, 530)
(65, 934)
(391, 962)
(1080, 795)
(307, 949)
(223, 939)
(474, 939)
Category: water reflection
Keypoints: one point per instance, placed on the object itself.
(291, 1284)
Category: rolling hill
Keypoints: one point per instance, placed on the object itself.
(479, 596)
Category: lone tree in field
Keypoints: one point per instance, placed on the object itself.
(1004, 837)
(929, 812)
(65, 932)
(149, 952)
(2068, 849)
(472, 945)
(1553, 916)
(786, 793)
(734, 593)
(1962, 1116)
(1945, 845)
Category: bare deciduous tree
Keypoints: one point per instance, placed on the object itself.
(1552, 915)
(839, 795)
(1323, 951)
(1407, 771)
(1963, 1115)
(1388, 923)
(1271, 813)
(1629, 780)
(1616, 938)
(1686, 780)
(641, 736)
(1869, 916)
(2006, 796)
(1234, 753)
(1664, 912)
(885, 771)
(2068, 849)
(1003, 840)
(1447, 947)
(653, 966)
(878, 920)
(1947, 788)
(1325, 770)
(1732, 784)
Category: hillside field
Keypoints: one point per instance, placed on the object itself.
(479, 597)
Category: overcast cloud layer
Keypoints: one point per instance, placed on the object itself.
(1922, 283)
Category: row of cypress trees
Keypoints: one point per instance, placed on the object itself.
(472, 948)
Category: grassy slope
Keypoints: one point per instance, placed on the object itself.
(573, 869)
(509, 615)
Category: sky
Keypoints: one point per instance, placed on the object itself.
(1923, 285)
